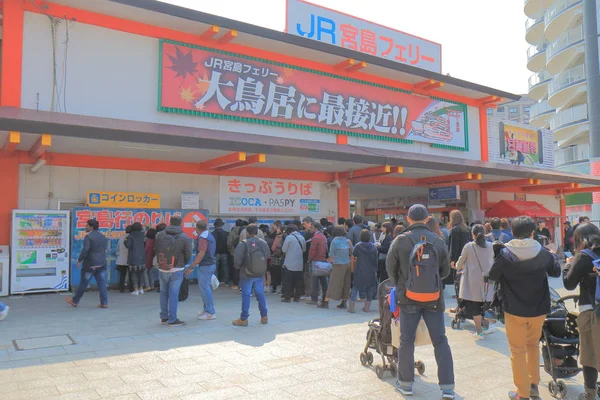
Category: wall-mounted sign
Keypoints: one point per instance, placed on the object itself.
(122, 200)
(190, 200)
(444, 193)
(520, 144)
(333, 27)
(520, 197)
(200, 81)
(256, 196)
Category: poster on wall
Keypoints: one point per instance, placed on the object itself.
(256, 196)
(113, 222)
(339, 29)
(203, 82)
(40, 251)
(520, 144)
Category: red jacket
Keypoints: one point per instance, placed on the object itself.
(318, 248)
(149, 250)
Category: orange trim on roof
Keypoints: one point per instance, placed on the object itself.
(12, 53)
(139, 28)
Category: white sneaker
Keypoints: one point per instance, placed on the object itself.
(135, 293)
(141, 291)
(201, 313)
(478, 336)
(207, 317)
(4, 314)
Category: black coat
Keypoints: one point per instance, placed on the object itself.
(460, 235)
(137, 252)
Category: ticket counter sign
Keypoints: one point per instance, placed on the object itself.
(256, 196)
(122, 200)
(333, 27)
(200, 81)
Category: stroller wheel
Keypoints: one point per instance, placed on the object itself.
(557, 389)
(393, 369)
(379, 370)
(363, 359)
(420, 366)
(370, 358)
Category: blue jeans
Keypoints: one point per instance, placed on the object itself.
(222, 267)
(409, 321)
(370, 293)
(2, 306)
(247, 285)
(314, 285)
(170, 283)
(86, 277)
(205, 274)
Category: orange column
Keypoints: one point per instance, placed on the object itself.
(483, 133)
(483, 199)
(12, 53)
(343, 199)
(563, 214)
(10, 95)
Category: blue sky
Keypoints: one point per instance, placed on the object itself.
(482, 41)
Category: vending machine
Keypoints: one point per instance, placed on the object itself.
(4, 269)
(39, 259)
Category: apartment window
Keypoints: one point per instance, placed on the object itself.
(500, 109)
(513, 110)
(490, 111)
(526, 109)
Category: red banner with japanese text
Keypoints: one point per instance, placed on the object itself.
(257, 196)
(201, 81)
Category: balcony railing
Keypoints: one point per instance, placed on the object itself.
(536, 49)
(567, 78)
(572, 154)
(538, 78)
(569, 116)
(569, 38)
(530, 22)
(557, 8)
(540, 108)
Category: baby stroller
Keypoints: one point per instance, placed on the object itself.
(560, 344)
(379, 337)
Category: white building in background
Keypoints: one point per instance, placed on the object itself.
(513, 111)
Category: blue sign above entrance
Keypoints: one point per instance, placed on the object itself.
(444, 193)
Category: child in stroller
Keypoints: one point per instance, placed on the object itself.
(379, 337)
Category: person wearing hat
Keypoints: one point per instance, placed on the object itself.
(411, 311)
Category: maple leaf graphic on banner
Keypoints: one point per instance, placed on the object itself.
(280, 80)
(183, 64)
(187, 94)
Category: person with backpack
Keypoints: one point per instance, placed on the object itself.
(250, 259)
(474, 264)
(173, 250)
(206, 261)
(233, 239)
(497, 235)
(522, 268)
(294, 246)
(417, 263)
(581, 271)
(93, 258)
(244, 233)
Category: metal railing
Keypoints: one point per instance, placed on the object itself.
(567, 78)
(531, 22)
(538, 78)
(567, 39)
(558, 8)
(540, 108)
(536, 49)
(572, 154)
(569, 116)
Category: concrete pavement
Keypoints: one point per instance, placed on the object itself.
(303, 353)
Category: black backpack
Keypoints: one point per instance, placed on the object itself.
(166, 251)
(256, 260)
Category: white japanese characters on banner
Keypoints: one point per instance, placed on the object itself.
(266, 196)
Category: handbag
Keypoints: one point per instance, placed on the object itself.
(486, 284)
(214, 282)
(321, 268)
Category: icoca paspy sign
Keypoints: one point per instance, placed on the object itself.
(263, 196)
(333, 27)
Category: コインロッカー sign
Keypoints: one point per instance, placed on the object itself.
(217, 84)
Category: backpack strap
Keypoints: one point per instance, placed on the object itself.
(590, 254)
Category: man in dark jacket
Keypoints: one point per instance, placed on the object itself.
(222, 252)
(93, 257)
(171, 279)
(206, 246)
(411, 312)
(522, 269)
(233, 239)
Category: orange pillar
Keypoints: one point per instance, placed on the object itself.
(10, 95)
(483, 199)
(343, 199)
(483, 133)
(563, 214)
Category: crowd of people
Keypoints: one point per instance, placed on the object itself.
(494, 261)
